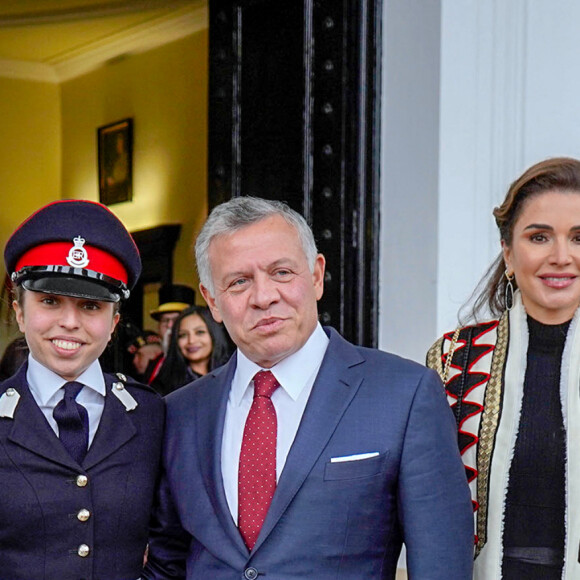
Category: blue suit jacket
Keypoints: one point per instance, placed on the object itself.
(41, 494)
(343, 520)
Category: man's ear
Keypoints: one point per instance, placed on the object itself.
(318, 275)
(211, 303)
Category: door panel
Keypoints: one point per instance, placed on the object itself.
(293, 115)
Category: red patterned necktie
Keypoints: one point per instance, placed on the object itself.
(257, 471)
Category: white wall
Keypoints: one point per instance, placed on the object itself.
(482, 97)
(505, 93)
(409, 169)
(552, 81)
(509, 98)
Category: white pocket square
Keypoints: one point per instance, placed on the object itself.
(356, 457)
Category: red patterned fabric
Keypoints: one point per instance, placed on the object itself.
(257, 471)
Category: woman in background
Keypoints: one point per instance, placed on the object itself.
(198, 344)
(513, 384)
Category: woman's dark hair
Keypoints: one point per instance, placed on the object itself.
(14, 355)
(556, 174)
(174, 370)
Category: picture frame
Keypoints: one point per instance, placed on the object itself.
(115, 159)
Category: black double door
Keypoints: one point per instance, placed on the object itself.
(294, 116)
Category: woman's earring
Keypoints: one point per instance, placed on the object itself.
(509, 291)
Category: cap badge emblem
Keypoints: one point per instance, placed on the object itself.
(77, 255)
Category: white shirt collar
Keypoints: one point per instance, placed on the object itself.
(292, 372)
(44, 383)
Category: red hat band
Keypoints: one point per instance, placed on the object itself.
(78, 255)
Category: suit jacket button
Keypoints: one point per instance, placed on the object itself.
(82, 480)
(83, 515)
(83, 550)
(250, 574)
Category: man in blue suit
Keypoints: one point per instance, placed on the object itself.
(305, 456)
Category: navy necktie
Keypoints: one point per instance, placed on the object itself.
(73, 422)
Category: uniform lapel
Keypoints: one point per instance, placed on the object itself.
(210, 412)
(29, 428)
(115, 429)
(336, 384)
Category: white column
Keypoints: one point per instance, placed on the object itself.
(409, 176)
(483, 72)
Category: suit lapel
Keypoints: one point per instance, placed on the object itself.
(210, 416)
(30, 429)
(335, 386)
(115, 429)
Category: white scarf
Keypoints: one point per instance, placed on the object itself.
(488, 563)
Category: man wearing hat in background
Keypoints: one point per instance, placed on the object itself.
(79, 449)
(173, 298)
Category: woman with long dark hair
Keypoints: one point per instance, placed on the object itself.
(198, 344)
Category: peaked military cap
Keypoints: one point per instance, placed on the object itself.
(74, 248)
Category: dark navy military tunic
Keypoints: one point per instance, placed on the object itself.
(60, 520)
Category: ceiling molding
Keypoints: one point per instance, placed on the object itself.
(34, 16)
(28, 71)
(89, 57)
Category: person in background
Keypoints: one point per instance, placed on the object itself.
(79, 449)
(147, 352)
(512, 382)
(198, 344)
(304, 456)
(14, 355)
(173, 298)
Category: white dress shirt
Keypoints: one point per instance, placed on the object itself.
(296, 375)
(46, 388)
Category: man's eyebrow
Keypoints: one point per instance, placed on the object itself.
(279, 262)
(282, 261)
(235, 274)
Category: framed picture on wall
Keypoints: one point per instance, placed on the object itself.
(115, 149)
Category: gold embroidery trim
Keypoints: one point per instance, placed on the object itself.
(434, 357)
(449, 357)
(488, 427)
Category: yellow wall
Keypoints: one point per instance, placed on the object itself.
(29, 159)
(165, 92)
(48, 148)
(29, 149)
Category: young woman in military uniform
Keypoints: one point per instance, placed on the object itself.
(79, 449)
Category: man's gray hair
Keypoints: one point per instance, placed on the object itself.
(238, 213)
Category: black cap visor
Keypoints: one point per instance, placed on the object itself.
(73, 286)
